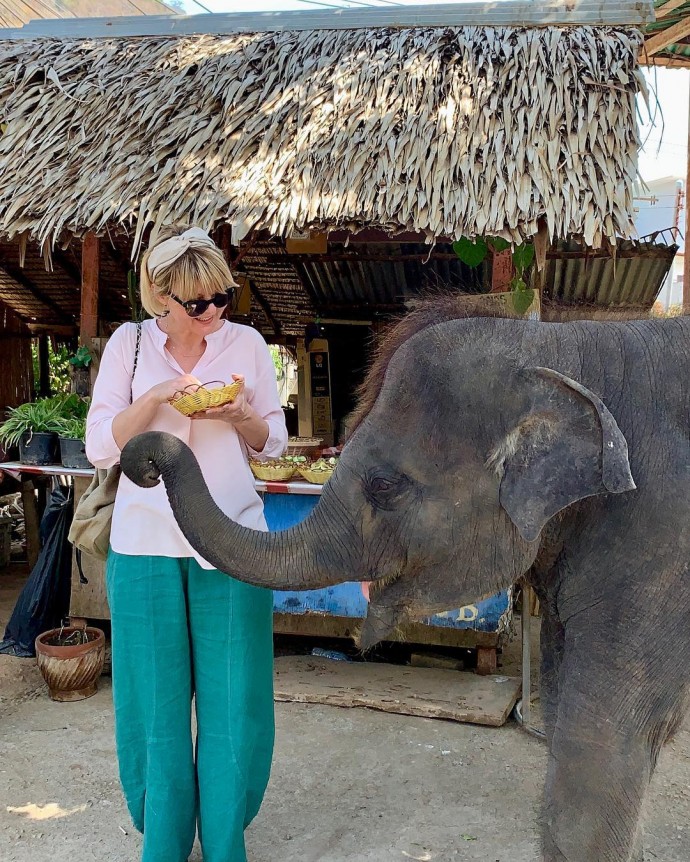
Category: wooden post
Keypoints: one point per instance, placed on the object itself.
(31, 520)
(501, 270)
(686, 253)
(43, 367)
(90, 267)
(526, 654)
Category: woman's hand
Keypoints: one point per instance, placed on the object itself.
(169, 389)
(249, 425)
(235, 412)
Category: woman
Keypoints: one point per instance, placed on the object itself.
(179, 627)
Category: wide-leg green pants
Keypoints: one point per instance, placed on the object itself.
(179, 631)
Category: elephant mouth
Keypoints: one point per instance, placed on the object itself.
(385, 613)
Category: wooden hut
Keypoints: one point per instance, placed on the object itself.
(336, 158)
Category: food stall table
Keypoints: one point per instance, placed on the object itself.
(36, 479)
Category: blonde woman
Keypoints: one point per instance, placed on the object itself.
(181, 629)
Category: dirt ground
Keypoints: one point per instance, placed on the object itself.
(348, 785)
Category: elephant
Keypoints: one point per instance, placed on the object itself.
(486, 450)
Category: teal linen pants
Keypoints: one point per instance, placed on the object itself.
(180, 631)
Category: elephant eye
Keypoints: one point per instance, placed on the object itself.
(383, 491)
(380, 485)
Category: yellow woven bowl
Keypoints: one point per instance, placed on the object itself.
(203, 398)
(272, 472)
(316, 477)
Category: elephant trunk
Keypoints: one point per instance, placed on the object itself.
(290, 559)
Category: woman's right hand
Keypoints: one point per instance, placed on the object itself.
(166, 391)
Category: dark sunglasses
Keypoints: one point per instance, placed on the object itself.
(196, 307)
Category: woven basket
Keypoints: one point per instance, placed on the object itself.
(272, 472)
(203, 398)
(316, 477)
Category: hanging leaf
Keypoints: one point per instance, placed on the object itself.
(471, 253)
(523, 256)
(498, 244)
(522, 296)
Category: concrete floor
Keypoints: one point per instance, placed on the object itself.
(347, 785)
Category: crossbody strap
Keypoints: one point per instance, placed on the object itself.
(136, 360)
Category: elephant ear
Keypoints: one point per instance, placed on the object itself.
(566, 447)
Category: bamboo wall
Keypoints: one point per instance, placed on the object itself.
(16, 371)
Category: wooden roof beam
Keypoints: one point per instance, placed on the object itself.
(17, 275)
(667, 8)
(669, 36)
(265, 307)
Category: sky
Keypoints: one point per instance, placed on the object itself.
(664, 128)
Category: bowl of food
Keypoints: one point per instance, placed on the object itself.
(320, 471)
(277, 469)
(306, 446)
(194, 399)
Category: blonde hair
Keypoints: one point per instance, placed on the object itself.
(199, 272)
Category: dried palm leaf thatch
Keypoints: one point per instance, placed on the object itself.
(447, 131)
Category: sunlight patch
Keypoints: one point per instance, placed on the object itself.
(50, 811)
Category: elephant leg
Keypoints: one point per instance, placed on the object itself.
(597, 777)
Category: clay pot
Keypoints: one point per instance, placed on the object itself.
(71, 672)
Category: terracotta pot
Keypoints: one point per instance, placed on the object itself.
(71, 672)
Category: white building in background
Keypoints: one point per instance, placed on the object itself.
(661, 207)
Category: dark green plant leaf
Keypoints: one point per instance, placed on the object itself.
(471, 253)
(498, 244)
(523, 257)
(82, 358)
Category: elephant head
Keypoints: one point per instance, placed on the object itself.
(443, 491)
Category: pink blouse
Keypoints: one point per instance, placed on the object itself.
(143, 522)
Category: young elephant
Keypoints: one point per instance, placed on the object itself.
(489, 449)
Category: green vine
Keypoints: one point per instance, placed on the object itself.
(474, 252)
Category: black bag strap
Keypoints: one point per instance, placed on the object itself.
(136, 360)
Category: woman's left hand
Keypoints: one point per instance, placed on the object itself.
(237, 411)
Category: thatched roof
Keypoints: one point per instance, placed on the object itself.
(442, 131)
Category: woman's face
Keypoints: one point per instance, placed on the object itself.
(207, 321)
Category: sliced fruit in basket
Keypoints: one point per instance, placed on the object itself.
(320, 471)
(194, 399)
(273, 470)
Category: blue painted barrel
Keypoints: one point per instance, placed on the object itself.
(346, 600)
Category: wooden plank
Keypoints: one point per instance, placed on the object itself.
(325, 625)
(426, 692)
(484, 13)
(669, 36)
(668, 7)
(90, 267)
(88, 600)
(487, 661)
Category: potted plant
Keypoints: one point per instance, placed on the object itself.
(72, 433)
(32, 426)
(81, 373)
(71, 660)
(71, 429)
